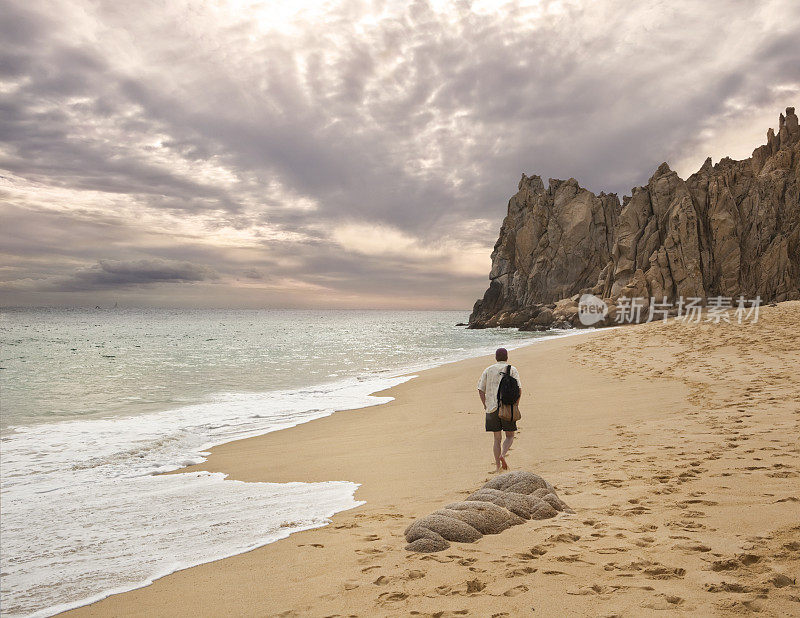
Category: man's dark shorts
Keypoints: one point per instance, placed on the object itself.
(495, 423)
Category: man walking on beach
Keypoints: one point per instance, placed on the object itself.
(495, 421)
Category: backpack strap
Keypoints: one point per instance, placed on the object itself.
(508, 373)
(498, 396)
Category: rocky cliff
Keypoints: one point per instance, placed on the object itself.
(730, 229)
(553, 243)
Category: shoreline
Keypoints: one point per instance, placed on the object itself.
(439, 459)
(372, 398)
(391, 393)
(406, 370)
(404, 375)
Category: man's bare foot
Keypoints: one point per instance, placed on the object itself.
(496, 470)
(503, 462)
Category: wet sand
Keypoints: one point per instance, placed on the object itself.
(675, 444)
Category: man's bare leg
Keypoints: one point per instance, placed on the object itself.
(506, 447)
(496, 448)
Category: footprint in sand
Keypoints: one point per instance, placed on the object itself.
(571, 558)
(566, 537)
(435, 558)
(664, 602)
(612, 550)
(408, 575)
(520, 571)
(474, 586)
(748, 559)
(392, 596)
(595, 589)
(692, 547)
(686, 503)
(779, 580)
(687, 525)
(652, 570)
(732, 564)
(532, 554)
(664, 572)
(740, 607)
(512, 592)
(730, 587)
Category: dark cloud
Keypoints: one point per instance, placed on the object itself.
(252, 273)
(112, 274)
(259, 136)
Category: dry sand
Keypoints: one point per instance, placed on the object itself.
(676, 444)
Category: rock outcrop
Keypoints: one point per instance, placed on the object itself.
(730, 229)
(553, 243)
(505, 501)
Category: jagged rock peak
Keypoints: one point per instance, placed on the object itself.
(662, 170)
(533, 183)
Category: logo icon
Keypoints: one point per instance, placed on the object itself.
(591, 309)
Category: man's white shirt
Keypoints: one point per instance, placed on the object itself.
(490, 382)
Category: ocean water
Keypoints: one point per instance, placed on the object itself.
(95, 404)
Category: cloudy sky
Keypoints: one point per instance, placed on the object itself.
(236, 153)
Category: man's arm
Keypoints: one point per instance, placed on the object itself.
(482, 388)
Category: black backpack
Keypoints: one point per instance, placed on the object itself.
(508, 391)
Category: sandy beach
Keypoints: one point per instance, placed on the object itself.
(675, 444)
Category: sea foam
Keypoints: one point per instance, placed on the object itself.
(87, 514)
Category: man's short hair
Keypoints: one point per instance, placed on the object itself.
(501, 354)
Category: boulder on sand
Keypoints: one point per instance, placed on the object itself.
(505, 501)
